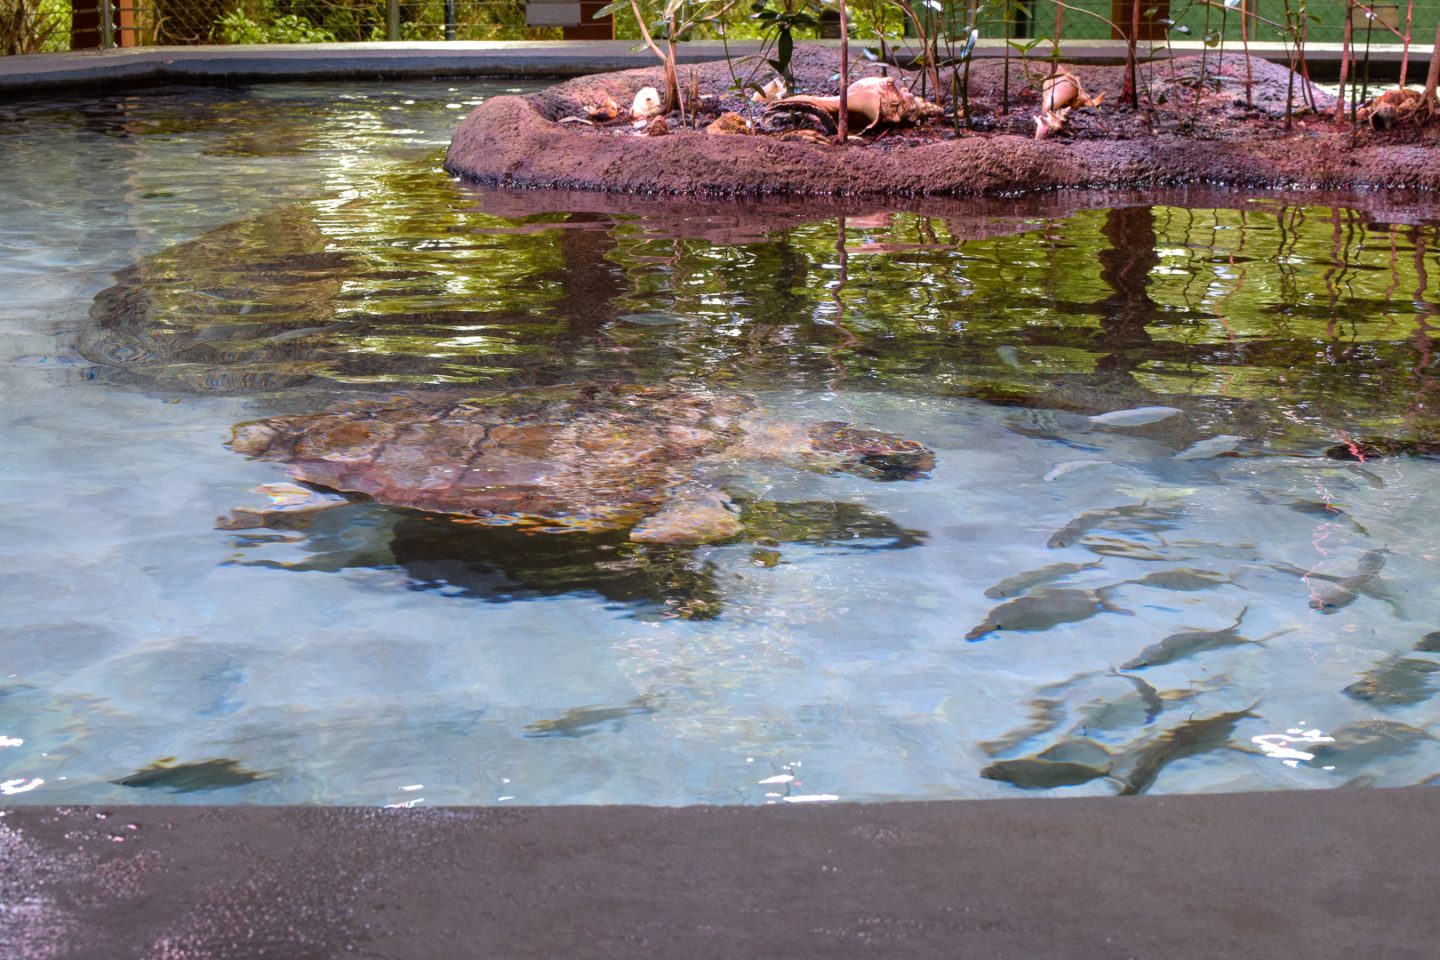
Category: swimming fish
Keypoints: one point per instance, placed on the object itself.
(1357, 744)
(579, 721)
(1154, 703)
(1045, 713)
(1217, 446)
(1130, 549)
(1329, 593)
(1327, 597)
(1430, 643)
(1328, 510)
(1188, 642)
(1134, 417)
(1321, 508)
(1043, 610)
(1183, 579)
(1142, 513)
(1395, 682)
(1141, 767)
(1065, 764)
(1033, 773)
(165, 774)
(1012, 586)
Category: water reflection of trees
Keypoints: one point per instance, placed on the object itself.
(1309, 315)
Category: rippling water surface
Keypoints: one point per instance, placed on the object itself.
(1078, 600)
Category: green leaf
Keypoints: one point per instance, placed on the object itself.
(611, 8)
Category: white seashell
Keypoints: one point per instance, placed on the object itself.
(1138, 416)
(776, 89)
(647, 103)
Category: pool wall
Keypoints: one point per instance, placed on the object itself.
(139, 66)
(1342, 873)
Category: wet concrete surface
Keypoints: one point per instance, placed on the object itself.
(1345, 873)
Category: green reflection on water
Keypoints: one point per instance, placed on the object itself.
(1279, 319)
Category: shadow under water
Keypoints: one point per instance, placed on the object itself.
(501, 564)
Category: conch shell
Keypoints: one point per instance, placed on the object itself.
(647, 103)
(1059, 94)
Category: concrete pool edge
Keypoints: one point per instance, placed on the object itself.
(129, 67)
(1340, 873)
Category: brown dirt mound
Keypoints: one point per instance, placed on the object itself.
(1185, 132)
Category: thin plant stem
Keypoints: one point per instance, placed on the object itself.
(1345, 61)
(842, 123)
(1245, 45)
(1405, 51)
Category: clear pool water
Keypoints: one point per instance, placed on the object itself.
(1218, 607)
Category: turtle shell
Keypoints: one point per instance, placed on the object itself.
(598, 457)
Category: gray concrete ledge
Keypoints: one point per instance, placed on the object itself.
(141, 66)
(1314, 875)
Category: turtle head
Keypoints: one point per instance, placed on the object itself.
(868, 453)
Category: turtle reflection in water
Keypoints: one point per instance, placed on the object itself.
(638, 471)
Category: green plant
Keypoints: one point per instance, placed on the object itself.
(778, 30)
(925, 30)
(677, 18)
(33, 26)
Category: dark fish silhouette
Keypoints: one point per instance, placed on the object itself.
(165, 774)
(1018, 584)
(1043, 610)
(1395, 682)
(1188, 642)
(1430, 643)
(1327, 597)
(1141, 513)
(1329, 593)
(579, 721)
(1182, 578)
(1355, 745)
(1154, 703)
(1140, 768)
(1065, 764)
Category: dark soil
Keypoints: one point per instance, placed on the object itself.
(1183, 132)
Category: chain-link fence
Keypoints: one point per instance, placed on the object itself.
(28, 26)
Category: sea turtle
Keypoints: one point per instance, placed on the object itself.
(591, 458)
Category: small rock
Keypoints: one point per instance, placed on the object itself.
(603, 111)
(657, 128)
(728, 124)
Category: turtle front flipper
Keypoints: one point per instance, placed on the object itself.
(291, 507)
(691, 515)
